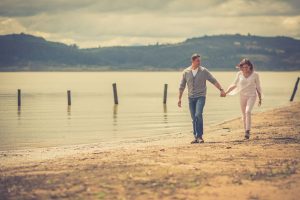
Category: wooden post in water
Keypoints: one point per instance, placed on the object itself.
(69, 97)
(165, 93)
(295, 89)
(115, 93)
(19, 97)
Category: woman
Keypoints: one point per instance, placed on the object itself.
(247, 83)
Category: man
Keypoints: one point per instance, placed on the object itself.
(195, 77)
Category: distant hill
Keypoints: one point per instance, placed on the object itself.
(220, 52)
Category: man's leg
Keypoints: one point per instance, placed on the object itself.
(199, 117)
(192, 107)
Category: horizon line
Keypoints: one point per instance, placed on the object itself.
(153, 44)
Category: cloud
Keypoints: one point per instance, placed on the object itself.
(11, 8)
(14, 8)
(118, 22)
(23, 8)
(9, 25)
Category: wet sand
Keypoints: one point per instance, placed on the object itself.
(225, 167)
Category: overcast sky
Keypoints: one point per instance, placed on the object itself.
(92, 23)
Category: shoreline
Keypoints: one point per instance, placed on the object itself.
(39, 154)
(225, 167)
(136, 70)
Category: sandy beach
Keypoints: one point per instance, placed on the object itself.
(225, 167)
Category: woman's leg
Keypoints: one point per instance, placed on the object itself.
(250, 104)
(243, 103)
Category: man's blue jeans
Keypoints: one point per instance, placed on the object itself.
(196, 105)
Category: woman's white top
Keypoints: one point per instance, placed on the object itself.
(246, 86)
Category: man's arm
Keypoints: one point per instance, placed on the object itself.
(180, 96)
(181, 89)
(222, 92)
(214, 81)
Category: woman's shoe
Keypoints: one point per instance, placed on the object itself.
(247, 134)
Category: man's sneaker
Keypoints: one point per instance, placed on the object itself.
(195, 141)
(201, 140)
(247, 134)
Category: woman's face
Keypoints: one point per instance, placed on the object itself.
(245, 68)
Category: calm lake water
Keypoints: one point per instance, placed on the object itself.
(45, 120)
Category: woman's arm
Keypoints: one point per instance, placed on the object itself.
(232, 87)
(259, 97)
(234, 84)
(258, 89)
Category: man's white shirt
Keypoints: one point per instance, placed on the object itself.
(194, 71)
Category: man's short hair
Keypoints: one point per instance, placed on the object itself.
(195, 56)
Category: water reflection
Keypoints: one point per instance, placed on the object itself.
(19, 112)
(69, 112)
(115, 117)
(165, 115)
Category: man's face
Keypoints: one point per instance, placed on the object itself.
(197, 62)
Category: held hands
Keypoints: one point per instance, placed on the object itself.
(222, 93)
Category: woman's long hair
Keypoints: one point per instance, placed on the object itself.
(245, 61)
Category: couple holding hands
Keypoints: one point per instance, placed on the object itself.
(246, 82)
